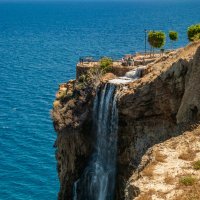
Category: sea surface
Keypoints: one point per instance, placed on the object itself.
(40, 44)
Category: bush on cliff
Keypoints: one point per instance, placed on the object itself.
(194, 32)
(106, 64)
(187, 180)
(196, 165)
(156, 39)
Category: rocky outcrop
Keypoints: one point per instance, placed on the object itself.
(149, 110)
(152, 109)
(169, 170)
(190, 105)
(72, 118)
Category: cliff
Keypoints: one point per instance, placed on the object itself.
(169, 170)
(164, 103)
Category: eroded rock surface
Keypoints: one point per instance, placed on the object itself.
(164, 168)
(152, 109)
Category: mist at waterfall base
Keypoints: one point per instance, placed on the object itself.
(40, 44)
(98, 179)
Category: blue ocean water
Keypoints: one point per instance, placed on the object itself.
(40, 44)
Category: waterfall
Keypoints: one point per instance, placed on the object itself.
(98, 179)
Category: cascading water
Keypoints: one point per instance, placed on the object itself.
(98, 179)
(129, 76)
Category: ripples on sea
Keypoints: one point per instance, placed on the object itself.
(40, 44)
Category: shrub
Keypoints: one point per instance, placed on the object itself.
(193, 31)
(149, 170)
(156, 39)
(188, 155)
(106, 64)
(169, 179)
(187, 180)
(196, 165)
(160, 157)
(173, 35)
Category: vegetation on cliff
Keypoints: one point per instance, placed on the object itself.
(173, 36)
(151, 110)
(170, 177)
(106, 64)
(156, 39)
(194, 32)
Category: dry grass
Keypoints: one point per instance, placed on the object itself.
(149, 194)
(189, 155)
(160, 157)
(148, 171)
(189, 192)
(169, 179)
(146, 195)
(197, 130)
(161, 194)
(173, 145)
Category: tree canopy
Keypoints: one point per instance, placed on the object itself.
(156, 39)
(173, 35)
(194, 32)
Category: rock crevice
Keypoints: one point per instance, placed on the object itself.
(160, 105)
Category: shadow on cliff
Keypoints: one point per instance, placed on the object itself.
(154, 112)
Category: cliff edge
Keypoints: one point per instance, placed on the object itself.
(162, 104)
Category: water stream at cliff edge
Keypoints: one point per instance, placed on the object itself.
(98, 180)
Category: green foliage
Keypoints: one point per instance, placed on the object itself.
(193, 31)
(156, 39)
(196, 165)
(173, 35)
(196, 37)
(106, 64)
(187, 180)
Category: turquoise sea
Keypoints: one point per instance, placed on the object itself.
(40, 44)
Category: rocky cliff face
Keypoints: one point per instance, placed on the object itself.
(152, 109)
(72, 121)
(169, 170)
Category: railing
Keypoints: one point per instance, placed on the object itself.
(96, 59)
(155, 52)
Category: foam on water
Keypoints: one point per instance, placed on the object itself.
(129, 76)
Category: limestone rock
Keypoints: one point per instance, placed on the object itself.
(157, 107)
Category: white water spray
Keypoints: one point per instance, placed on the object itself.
(129, 76)
(98, 179)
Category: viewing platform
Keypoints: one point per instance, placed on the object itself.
(122, 66)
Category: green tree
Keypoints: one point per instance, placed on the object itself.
(196, 37)
(173, 36)
(106, 64)
(194, 32)
(156, 39)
